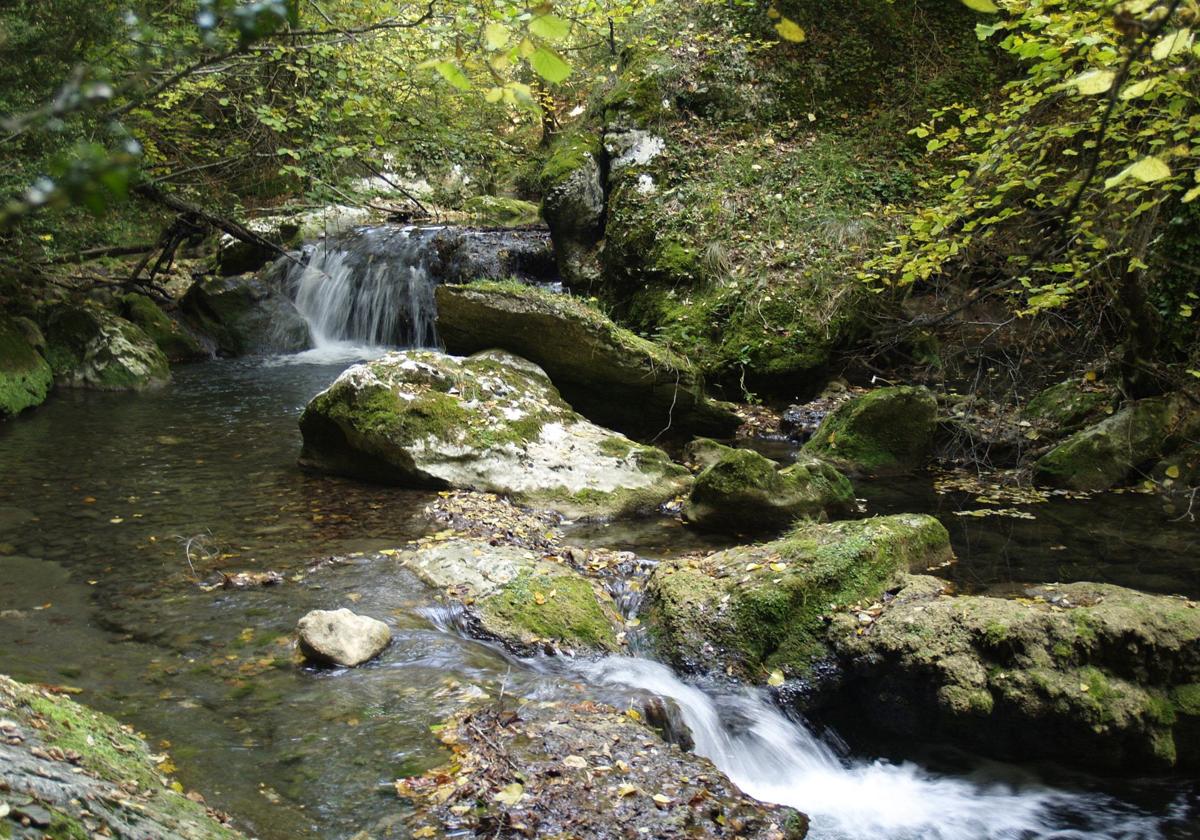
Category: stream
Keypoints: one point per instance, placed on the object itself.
(105, 500)
(117, 509)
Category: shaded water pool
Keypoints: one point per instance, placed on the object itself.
(113, 505)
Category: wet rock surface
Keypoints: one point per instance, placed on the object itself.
(88, 346)
(743, 492)
(607, 373)
(752, 610)
(340, 637)
(25, 377)
(1086, 674)
(491, 422)
(69, 772)
(889, 431)
(245, 315)
(581, 770)
(530, 601)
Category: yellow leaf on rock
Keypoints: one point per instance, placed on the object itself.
(776, 678)
(627, 790)
(1173, 471)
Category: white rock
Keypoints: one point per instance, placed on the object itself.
(340, 637)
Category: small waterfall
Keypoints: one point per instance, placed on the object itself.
(373, 288)
(776, 759)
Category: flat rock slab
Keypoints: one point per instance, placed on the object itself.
(583, 771)
(341, 637)
(608, 374)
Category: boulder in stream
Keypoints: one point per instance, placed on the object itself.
(173, 339)
(610, 375)
(1086, 674)
(581, 770)
(490, 422)
(888, 431)
(245, 315)
(88, 346)
(528, 601)
(743, 492)
(1112, 451)
(341, 637)
(25, 377)
(751, 610)
(71, 772)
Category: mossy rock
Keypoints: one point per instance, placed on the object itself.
(25, 377)
(1086, 674)
(88, 346)
(702, 453)
(573, 204)
(749, 610)
(245, 315)
(607, 373)
(745, 493)
(1068, 405)
(502, 211)
(114, 789)
(176, 343)
(1115, 449)
(529, 603)
(888, 431)
(492, 422)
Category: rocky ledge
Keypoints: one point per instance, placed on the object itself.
(585, 771)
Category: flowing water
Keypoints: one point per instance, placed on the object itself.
(115, 508)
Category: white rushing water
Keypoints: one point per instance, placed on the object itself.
(775, 759)
(372, 289)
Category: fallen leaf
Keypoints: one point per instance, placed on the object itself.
(776, 678)
(510, 794)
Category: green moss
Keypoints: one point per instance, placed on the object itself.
(1186, 699)
(172, 340)
(25, 377)
(1067, 406)
(503, 211)
(571, 611)
(568, 155)
(886, 430)
(996, 633)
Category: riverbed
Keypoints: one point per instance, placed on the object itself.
(119, 514)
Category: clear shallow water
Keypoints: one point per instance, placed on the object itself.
(102, 495)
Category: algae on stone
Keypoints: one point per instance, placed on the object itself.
(752, 609)
(744, 492)
(89, 347)
(1110, 452)
(502, 211)
(490, 422)
(607, 373)
(1082, 673)
(512, 594)
(93, 776)
(25, 377)
(176, 343)
(884, 432)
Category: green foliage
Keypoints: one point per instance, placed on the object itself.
(1065, 181)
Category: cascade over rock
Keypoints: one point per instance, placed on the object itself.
(607, 373)
(489, 422)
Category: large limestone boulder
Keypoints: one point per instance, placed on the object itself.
(25, 377)
(607, 373)
(888, 431)
(490, 422)
(581, 770)
(341, 637)
(1082, 673)
(69, 772)
(752, 610)
(1110, 452)
(175, 341)
(743, 492)
(574, 205)
(245, 315)
(89, 347)
(528, 602)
